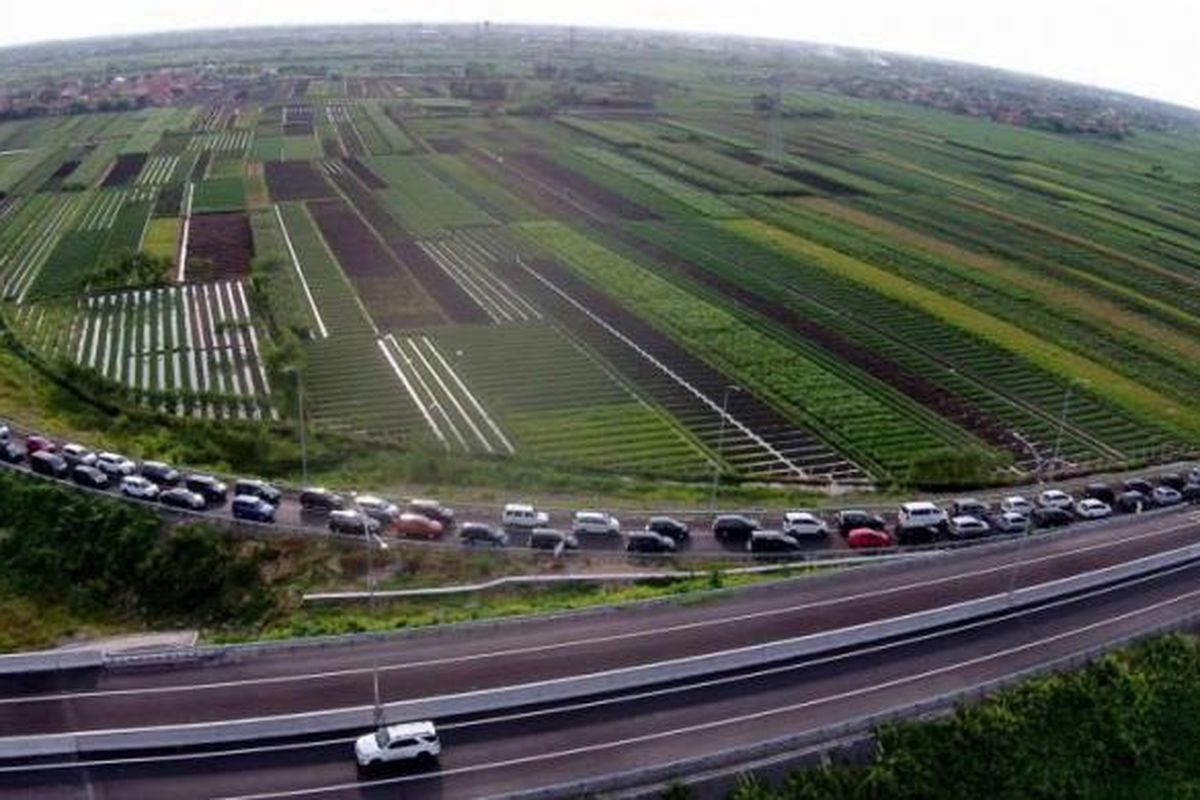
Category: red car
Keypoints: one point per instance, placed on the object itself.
(35, 444)
(867, 538)
(416, 526)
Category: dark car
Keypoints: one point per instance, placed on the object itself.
(853, 518)
(771, 542)
(1131, 502)
(551, 539)
(352, 522)
(1051, 517)
(252, 507)
(969, 507)
(1172, 479)
(733, 526)
(49, 463)
(212, 490)
(316, 499)
(179, 497)
(256, 488)
(649, 542)
(1191, 493)
(160, 473)
(1138, 485)
(1100, 491)
(919, 534)
(11, 452)
(478, 533)
(89, 477)
(432, 509)
(670, 527)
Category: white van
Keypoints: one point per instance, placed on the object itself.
(921, 515)
(523, 515)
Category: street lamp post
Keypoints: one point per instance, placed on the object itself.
(299, 376)
(712, 502)
(378, 704)
(1037, 460)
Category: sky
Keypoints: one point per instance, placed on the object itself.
(1147, 47)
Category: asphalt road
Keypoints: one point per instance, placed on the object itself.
(490, 756)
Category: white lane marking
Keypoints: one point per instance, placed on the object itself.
(287, 239)
(567, 644)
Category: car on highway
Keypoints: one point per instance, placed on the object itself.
(728, 527)
(417, 526)
(595, 523)
(1091, 508)
(969, 507)
(115, 465)
(868, 539)
(377, 508)
(920, 514)
(49, 463)
(552, 539)
(767, 542)
(669, 526)
(432, 509)
(850, 519)
(89, 476)
(77, 454)
(1010, 522)
(804, 525)
(160, 473)
(523, 515)
(1056, 498)
(139, 488)
(475, 534)
(349, 520)
(1051, 517)
(35, 443)
(1100, 491)
(1016, 503)
(211, 489)
(1172, 479)
(11, 452)
(1132, 502)
(252, 507)
(257, 488)
(966, 526)
(1138, 485)
(1164, 496)
(649, 542)
(179, 497)
(412, 741)
(317, 499)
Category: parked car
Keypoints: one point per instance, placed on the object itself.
(115, 465)
(551, 539)
(35, 443)
(595, 523)
(669, 526)
(377, 508)
(851, 519)
(1132, 502)
(1056, 498)
(1010, 522)
(966, 526)
(1091, 508)
(523, 515)
(415, 526)
(1172, 479)
(212, 490)
(179, 497)
(137, 487)
(804, 525)
(1016, 503)
(432, 509)
(1190, 493)
(316, 499)
(5, 433)
(48, 463)
(733, 526)
(1138, 485)
(1164, 496)
(868, 539)
(11, 452)
(259, 489)
(771, 542)
(252, 507)
(348, 520)
(649, 542)
(969, 507)
(413, 741)
(89, 477)
(916, 535)
(1051, 517)
(1194, 474)
(1100, 491)
(920, 514)
(77, 454)
(160, 473)
(477, 533)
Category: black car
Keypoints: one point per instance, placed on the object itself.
(255, 488)
(89, 477)
(208, 487)
(771, 542)
(649, 542)
(11, 452)
(733, 526)
(478, 533)
(969, 507)
(1050, 517)
(919, 534)
(851, 519)
(352, 522)
(252, 507)
(160, 473)
(1172, 479)
(1138, 485)
(551, 539)
(1131, 502)
(1191, 493)
(670, 527)
(43, 462)
(432, 509)
(316, 499)
(1100, 491)
(179, 497)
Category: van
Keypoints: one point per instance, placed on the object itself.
(921, 514)
(522, 515)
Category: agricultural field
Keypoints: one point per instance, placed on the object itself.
(657, 267)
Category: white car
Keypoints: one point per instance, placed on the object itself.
(596, 523)
(1091, 508)
(523, 515)
(968, 527)
(804, 525)
(138, 487)
(921, 515)
(1056, 498)
(414, 741)
(4, 432)
(1166, 496)
(78, 454)
(377, 508)
(1011, 522)
(115, 465)
(1016, 503)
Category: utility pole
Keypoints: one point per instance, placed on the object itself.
(378, 703)
(712, 502)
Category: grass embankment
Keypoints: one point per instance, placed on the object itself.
(1122, 728)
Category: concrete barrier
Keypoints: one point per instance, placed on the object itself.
(579, 686)
(50, 660)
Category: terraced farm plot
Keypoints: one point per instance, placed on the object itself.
(220, 247)
(219, 194)
(423, 204)
(125, 170)
(25, 247)
(295, 180)
(472, 264)
(232, 140)
(158, 170)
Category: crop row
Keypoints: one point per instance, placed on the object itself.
(698, 200)
(26, 248)
(236, 140)
(422, 203)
